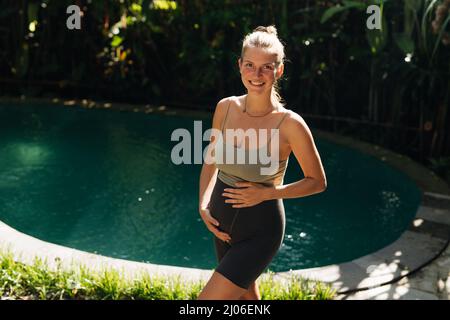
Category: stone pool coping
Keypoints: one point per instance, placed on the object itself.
(425, 239)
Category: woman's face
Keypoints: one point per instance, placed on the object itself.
(259, 70)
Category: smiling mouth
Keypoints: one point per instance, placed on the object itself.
(256, 83)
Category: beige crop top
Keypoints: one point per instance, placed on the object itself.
(234, 172)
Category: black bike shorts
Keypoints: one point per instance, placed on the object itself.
(256, 233)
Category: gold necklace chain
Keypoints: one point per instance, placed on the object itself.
(245, 110)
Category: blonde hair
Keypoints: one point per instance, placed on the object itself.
(267, 38)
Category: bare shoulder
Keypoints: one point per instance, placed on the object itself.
(223, 104)
(221, 109)
(294, 119)
(295, 126)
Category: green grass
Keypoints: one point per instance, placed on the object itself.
(297, 288)
(36, 281)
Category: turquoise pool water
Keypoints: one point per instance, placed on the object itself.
(103, 181)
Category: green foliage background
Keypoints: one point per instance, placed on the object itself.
(390, 87)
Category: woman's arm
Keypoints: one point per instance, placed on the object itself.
(208, 173)
(208, 178)
(302, 144)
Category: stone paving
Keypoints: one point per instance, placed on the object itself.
(415, 266)
(431, 282)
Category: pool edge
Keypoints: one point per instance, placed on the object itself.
(428, 232)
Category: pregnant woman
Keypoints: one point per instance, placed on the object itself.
(240, 203)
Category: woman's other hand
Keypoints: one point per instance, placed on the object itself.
(212, 225)
(252, 194)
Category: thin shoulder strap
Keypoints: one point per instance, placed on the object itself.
(282, 118)
(279, 123)
(226, 115)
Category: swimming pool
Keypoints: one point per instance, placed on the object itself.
(102, 181)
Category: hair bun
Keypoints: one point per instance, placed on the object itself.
(269, 29)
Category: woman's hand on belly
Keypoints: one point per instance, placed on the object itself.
(212, 224)
(248, 195)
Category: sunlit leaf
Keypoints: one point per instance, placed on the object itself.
(135, 7)
(163, 5)
(123, 56)
(32, 26)
(116, 41)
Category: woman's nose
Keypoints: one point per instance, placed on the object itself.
(259, 72)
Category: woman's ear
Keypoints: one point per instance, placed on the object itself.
(280, 71)
(240, 65)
